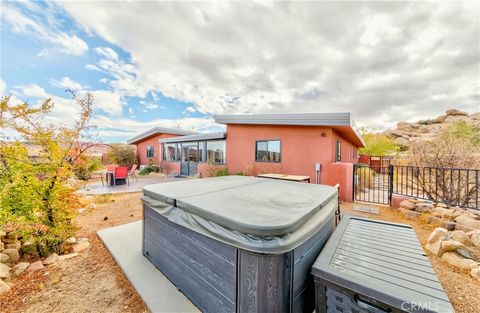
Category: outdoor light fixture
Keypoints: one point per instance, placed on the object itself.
(323, 134)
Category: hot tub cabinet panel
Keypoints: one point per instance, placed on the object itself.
(222, 268)
(211, 273)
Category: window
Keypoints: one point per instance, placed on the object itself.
(216, 151)
(189, 152)
(170, 152)
(150, 152)
(268, 151)
(201, 151)
(338, 151)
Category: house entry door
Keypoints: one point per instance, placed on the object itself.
(189, 161)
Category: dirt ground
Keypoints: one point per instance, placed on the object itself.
(462, 290)
(92, 282)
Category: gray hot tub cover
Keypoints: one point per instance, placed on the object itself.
(256, 214)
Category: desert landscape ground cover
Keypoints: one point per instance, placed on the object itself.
(92, 282)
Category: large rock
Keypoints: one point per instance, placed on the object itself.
(455, 112)
(80, 246)
(456, 260)
(468, 221)
(71, 240)
(12, 254)
(449, 225)
(450, 245)
(51, 259)
(4, 271)
(442, 212)
(67, 256)
(407, 204)
(4, 258)
(20, 268)
(30, 248)
(17, 245)
(434, 243)
(2, 246)
(475, 273)
(4, 287)
(474, 238)
(36, 266)
(10, 238)
(459, 236)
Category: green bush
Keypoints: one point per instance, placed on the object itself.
(149, 169)
(122, 155)
(221, 172)
(85, 168)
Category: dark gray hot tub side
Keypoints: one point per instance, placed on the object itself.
(253, 266)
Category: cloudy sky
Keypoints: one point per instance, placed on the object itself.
(176, 64)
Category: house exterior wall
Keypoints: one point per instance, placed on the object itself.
(301, 148)
(151, 141)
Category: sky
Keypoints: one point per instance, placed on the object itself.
(176, 64)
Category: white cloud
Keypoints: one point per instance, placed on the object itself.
(108, 101)
(31, 24)
(367, 58)
(67, 83)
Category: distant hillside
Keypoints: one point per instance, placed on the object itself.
(425, 130)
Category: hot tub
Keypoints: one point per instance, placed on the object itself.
(239, 244)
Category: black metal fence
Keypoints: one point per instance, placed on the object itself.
(452, 186)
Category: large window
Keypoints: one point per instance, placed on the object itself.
(338, 151)
(216, 151)
(150, 152)
(170, 152)
(189, 152)
(268, 151)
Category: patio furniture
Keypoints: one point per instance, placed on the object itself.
(92, 175)
(120, 173)
(296, 178)
(375, 266)
(237, 243)
(110, 174)
(131, 173)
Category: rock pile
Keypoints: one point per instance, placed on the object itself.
(449, 217)
(454, 249)
(407, 133)
(11, 248)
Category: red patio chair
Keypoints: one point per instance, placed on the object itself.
(131, 173)
(120, 173)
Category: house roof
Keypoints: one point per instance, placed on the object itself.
(196, 137)
(341, 122)
(158, 130)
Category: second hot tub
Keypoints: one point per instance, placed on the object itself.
(239, 244)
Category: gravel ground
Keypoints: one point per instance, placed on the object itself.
(92, 282)
(462, 290)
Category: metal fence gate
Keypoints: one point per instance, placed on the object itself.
(372, 183)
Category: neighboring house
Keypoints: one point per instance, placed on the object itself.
(270, 143)
(148, 143)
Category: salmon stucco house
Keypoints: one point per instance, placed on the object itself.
(323, 146)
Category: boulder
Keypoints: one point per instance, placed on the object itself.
(51, 259)
(468, 221)
(4, 287)
(460, 236)
(442, 205)
(474, 238)
(434, 220)
(465, 252)
(455, 112)
(423, 209)
(10, 238)
(449, 225)
(67, 256)
(457, 213)
(407, 204)
(458, 261)
(80, 246)
(464, 228)
(412, 215)
(17, 245)
(20, 268)
(425, 205)
(4, 271)
(12, 254)
(475, 273)
(4, 258)
(450, 245)
(36, 266)
(2, 246)
(30, 248)
(434, 243)
(70, 240)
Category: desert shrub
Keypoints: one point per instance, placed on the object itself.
(378, 145)
(429, 122)
(221, 172)
(122, 155)
(37, 201)
(365, 177)
(147, 170)
(86, 166)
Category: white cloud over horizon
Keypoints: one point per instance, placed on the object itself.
(382, 61)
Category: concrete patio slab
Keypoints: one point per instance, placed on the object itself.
(125, 244)
(96, 187)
